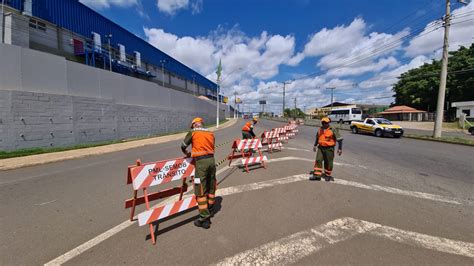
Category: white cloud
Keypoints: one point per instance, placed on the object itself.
(350, 51)
(242, 56)
(388, 78)
(343, 54)
(197, 6)
(172, 6)
(108, 3)
(429, 41)
(336, 40)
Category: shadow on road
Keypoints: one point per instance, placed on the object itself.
(158, 232)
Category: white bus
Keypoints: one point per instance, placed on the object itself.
(345, 115)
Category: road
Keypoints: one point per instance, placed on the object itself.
(397, 201)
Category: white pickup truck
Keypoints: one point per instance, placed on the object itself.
(377, 126)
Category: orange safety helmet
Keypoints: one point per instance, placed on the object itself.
(326, 120)
(196, 120)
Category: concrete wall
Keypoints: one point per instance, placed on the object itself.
(16, 30)
(47, 101)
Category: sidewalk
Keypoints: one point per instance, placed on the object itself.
(19, 162)
(425, 126)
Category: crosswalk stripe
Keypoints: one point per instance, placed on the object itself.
(302, 244)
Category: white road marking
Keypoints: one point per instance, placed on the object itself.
(296, 149)
(297, 246)
(260, 185)
(415, 194)
(292, 158)
(45, 203)
(240, 189)
(109, 233)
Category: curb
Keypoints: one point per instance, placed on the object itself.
(45, 158)
(437, 140)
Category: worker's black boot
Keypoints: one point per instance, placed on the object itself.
(328, 178)
(206, 224)
(314, 177)
(212, 210)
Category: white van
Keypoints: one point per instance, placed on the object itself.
(345, 115)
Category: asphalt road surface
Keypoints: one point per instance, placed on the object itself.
(396, 201)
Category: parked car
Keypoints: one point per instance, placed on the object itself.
(378, 126)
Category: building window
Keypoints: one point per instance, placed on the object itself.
(467, 112)
(35, 24)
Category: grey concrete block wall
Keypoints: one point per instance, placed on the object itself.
(94, 120)
(40, 120)
(5, 120)
(46, 101)
(32, 119)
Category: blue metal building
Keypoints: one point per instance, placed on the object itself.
(82, 20)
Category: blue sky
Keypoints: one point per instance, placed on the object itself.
(359, 47)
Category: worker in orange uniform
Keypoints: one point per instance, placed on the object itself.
(326, 139)
(203, 146)
(247, 130)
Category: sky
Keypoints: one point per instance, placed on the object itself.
(357, 47)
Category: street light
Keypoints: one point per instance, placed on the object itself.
(163, 61)
(110, 52)
(3, 19)
(194, 84)
(235, 93)
(332, 95)
(284, 88)
(219, 82)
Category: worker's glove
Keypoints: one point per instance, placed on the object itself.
(339, 152)
(188, 154)
(315, 148)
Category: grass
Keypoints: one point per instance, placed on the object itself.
(453, 140)
(35, 151)
(453, 125)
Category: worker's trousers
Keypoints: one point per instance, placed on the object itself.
(324, 155)
(205, 185)
(246, 135)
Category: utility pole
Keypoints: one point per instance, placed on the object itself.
(284, 89)
(444, 73)
(235, 104)
(163, 61)
(332, 95)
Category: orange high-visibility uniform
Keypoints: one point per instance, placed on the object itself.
(202, 143)
(326, 138)
(247, 127)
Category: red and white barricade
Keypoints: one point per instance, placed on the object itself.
(144, 176)
(244, 148)
(281, 131)
(271, 140)
(289, 132)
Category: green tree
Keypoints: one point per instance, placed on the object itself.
(294, 113)
(418, 87)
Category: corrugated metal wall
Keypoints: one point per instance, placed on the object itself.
(76, 17)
